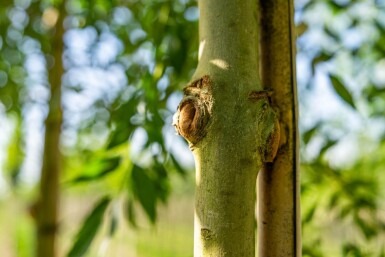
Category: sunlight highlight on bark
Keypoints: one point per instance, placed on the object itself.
(222, 64)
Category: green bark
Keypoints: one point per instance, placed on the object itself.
(230, 125)
(48, 201)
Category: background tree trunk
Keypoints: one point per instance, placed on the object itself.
(48, 201)
(227, 119)
(279, 223)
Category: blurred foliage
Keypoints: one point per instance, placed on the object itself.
(89, 229)
(342, 151)
(15, 153)
(154, 50)
(126, 62)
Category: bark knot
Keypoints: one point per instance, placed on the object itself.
(268, 126)
(194, 110)
(206, 234)
(264, 94)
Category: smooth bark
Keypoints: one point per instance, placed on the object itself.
(279, 224)
(230, 125)
(48, 201)
(226, 164)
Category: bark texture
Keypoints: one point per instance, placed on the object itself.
(231, 127)
(48, 201)
(279, 224)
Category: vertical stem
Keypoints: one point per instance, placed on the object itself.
(278, 187)
(227, 162)
(48, 201)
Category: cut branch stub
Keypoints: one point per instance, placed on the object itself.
(256, 95)
(193, 112)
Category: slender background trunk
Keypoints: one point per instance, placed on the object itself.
(279, 224)
(48, 201)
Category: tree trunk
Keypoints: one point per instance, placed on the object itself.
(48, 201)
(279, 224)
(231, 127)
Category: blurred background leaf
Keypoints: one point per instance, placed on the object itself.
(89, 229)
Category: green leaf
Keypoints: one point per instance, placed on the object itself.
(330, 143)
(339, 6)
(89, 229)
(121, 114)
(345, 211)
(350, 249)
(330, 31)
(177, 166)
(119, 136)
(308, 216)
(342, 91)
(308, 5)
(129, 212)
(308, 135)
(15, 153)
(301, 28)
(98, 170)
(320, 58)
(113, 222)
(333, 201)
(145, 190)
(161, 182)
(367, 229)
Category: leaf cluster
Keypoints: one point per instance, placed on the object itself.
(156, 51)
(341, 49)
